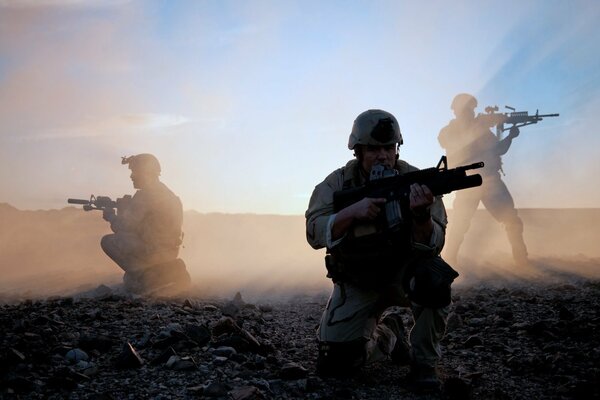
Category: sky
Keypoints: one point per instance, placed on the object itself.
(249, 104)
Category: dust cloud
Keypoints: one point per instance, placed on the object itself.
(57, 252)
(562, 246)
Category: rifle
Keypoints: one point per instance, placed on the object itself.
(102, 203)
(386, 183)
(516, 118)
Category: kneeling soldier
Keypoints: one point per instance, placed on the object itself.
(374, 270)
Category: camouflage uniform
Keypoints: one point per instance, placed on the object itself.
(147, 233)
(468, 142)
(351, 320)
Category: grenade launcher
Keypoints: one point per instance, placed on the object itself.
(386, 183)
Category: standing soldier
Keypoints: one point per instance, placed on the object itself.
(147, 232)
(369, 271)
(469, 139)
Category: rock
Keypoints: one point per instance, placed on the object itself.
(233, 307)
(86, 368)
(237, 300)
(76, 355)
(230, 309)
(225, 325)
(181, 363)
(246, 393)
(216, 389)
(224, 351)
(292, 370)
(218, 360)
(565, 314)
(473, 341)
(197, 333)
(129, 358)
(163, 357)
(266, 308)
(521, 341)
(102, 291)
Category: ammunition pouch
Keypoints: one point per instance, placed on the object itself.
(428, 282)
(370, 262)
(364, 272)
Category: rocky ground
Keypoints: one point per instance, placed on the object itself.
(516, 342)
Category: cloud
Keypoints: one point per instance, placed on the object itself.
(61, 3)
(126, 124)
(154, 122)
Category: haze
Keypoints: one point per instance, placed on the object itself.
(248, 105)
(57, 252)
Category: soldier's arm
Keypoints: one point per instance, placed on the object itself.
(504, 144)
(132, 217)
(429, 234)
(366, 209)
(443, 137)
(320, 215)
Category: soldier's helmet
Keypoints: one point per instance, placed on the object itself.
(463, 101)
(143, 162)
(375, 127)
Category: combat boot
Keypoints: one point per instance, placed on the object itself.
(401, 351)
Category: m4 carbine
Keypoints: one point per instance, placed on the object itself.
(516, 118)
(102, 203)
(396, 188)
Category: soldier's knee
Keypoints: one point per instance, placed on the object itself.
(339, 359)
(107, 243)
(513, 223)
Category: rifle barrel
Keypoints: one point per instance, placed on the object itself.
(476, 165)
(78, 201)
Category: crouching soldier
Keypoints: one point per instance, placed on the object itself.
(147, 232)
(374, 271)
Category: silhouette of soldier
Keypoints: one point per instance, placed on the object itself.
(468, 139)
(147, 232)
(372, 272)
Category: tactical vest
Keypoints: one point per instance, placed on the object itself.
(371, 260)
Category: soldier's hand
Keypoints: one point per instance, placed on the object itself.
(421, 199)
(513, 132)
(367, 209)
(108, 214)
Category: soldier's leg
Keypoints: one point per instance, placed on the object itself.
(501, 206)
(127, 250)
(111, 247)
(167, 277)
(427, 333)
(128, 253)
(464, 207)
(350, 333)
(425, 338)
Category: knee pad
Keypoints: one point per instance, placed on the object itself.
(429, 285)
